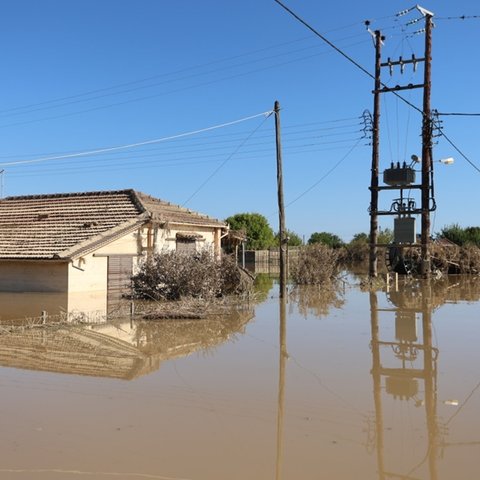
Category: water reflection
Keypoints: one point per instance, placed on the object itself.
(15, 307)
(317, 300)
(283, 356)
(124, 349)
(404, 369)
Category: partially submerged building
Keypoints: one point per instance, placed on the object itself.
(77, 243)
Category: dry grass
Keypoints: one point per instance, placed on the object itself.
(172, 276)
(316, 264)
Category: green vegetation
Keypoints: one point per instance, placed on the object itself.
(294, 240)
(260, 235)
(326, 238)
(462, 236)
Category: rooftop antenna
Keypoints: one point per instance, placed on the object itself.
(1, 182)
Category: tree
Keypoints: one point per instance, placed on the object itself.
(360, 238)
(259, 233)
(329, 239)
(385, 236)
(294, 240)
(462, 236)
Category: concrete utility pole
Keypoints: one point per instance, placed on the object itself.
(375, 159)
(426, 150)
(281, 209)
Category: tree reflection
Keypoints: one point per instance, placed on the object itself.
(317, 300)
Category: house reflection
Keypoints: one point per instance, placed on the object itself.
(124, 349)
(404, 369)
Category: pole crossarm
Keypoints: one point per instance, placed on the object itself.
(396, 88)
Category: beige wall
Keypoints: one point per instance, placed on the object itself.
(29, 276)
(166, 238)
(88, 274)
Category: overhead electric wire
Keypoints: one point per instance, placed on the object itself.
(364, 70)
(325, 175)
(291, 133)
(462, 17)
(171, 80)
(182, 70)
(341, 52)
(152, 164)
(225, 161)
(458, 114)
(132, 145)
(178, 90)
(460, 152)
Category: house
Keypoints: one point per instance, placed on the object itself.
(90, 243)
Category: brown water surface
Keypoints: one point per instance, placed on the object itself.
(334, 384)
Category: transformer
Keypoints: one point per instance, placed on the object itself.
(399, 176)
(404, 230)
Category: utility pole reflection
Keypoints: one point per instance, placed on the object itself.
(283, 355)
(401, 382)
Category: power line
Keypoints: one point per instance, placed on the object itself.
(226, 160)
(460, 152)
(49, 106)
(230, 138)
(125, 164)
(179, 71)
(341, 52)
(325, 175)
(132, 145)
(462, 17)
(350, 59)
(316, 32)
(461, 114)
(178, 90)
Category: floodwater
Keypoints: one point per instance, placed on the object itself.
(337, 385)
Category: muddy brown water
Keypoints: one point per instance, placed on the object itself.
(339, 385)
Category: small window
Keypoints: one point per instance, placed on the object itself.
(186, 245)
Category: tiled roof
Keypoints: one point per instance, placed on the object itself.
(165, 212)
(60, 225)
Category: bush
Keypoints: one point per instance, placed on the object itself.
(462, 236)
(171, 276)
(316, 264)
(469, 260)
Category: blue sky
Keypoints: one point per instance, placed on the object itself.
(81, 76)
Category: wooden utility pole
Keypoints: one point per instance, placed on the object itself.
(426, 150)
(375, 159)
(281, 209)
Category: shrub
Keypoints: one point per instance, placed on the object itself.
(315, 265)
(171, 276)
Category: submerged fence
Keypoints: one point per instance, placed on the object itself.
(268, 261)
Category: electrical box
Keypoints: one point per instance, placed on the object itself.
(399, 176)
(404, 230)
